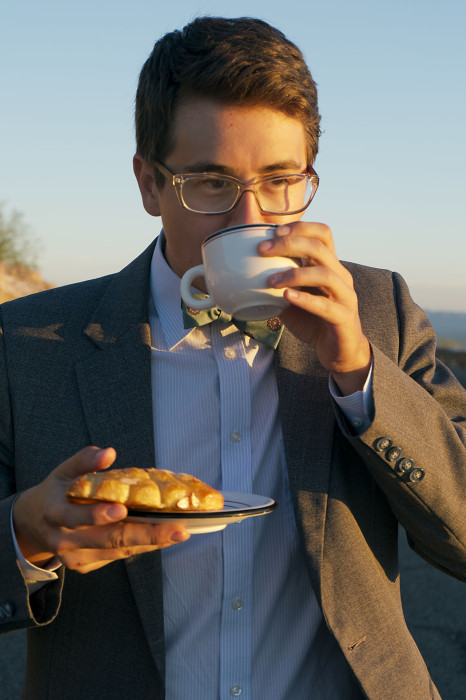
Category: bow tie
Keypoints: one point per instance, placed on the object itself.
(267, 332)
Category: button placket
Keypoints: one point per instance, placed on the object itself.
(236, 450)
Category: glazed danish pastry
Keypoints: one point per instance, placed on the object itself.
(147, 489)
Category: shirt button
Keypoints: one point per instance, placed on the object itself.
(235, 436)
(235, 691)
(237, 604)
(356, 423)
(230, 354)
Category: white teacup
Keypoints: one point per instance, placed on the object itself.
(236, 275)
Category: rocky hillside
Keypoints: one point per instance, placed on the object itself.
(17, 281)
(455, 360)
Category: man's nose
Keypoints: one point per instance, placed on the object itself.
(247, 211)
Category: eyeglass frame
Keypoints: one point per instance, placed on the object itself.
(177, 180)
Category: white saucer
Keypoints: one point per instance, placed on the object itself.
(237, 507)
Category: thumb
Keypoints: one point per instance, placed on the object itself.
(90, 459)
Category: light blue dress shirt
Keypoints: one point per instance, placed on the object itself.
(241, 619)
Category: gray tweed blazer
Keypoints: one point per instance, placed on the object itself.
(75, 370)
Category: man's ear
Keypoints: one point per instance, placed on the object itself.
(146, 180)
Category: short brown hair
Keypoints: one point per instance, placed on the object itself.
(233, 61)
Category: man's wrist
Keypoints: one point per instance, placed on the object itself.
(31, 553)
(351, 382)
(357, 407)
(34, 576)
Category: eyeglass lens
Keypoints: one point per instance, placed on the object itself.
(276, 195)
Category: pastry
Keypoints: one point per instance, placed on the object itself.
(148, 489)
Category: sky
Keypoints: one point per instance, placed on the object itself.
(392, 154)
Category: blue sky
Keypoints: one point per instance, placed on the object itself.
(392, 155)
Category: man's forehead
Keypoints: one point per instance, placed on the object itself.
(208, 136)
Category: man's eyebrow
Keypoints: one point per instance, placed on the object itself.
(283, 165)
(209, 167)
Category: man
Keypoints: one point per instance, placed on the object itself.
(350, 424)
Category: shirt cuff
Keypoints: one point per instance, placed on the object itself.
(358, 407)
(34, 577)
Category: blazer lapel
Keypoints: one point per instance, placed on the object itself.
(116, 394)
(308, 425)
(115, 389)
(115, 380)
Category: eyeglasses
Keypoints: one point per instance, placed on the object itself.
(212, 193)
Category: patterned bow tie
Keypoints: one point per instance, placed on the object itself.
(267, 332)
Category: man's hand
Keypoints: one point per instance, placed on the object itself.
(83, 537)
(324, 306)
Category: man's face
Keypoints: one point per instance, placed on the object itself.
(245, 142)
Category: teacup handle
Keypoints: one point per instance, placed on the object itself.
(185, 289)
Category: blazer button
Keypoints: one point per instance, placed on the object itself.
(416, 475)
(394, 453)
(404, 465)
(382, 444)
(8, 608)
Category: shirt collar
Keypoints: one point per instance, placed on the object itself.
(165, 294)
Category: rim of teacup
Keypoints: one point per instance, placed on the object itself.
(231, 229)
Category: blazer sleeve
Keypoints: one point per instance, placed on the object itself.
(17, 608)
(415, 447)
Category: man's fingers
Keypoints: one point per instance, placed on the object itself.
(89, 459)
(85, 560)
(305, 229)
(320, 306)
(298, 247)
(76, 515)
(95, 546)
(62, 513)
(324, 279)
(120, 535)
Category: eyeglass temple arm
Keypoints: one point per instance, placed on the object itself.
(164, 171)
